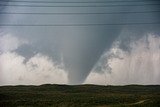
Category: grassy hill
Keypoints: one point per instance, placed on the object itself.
(80, 96)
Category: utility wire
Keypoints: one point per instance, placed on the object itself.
(132, 12)
(75, 5)
(81, 1)
(63, 25)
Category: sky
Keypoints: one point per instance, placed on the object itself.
(109, 42)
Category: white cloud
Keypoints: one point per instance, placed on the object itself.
(14, 69)
(140, 66)
(37, 70)
(10, 43)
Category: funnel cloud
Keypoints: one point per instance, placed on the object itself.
(79, 48)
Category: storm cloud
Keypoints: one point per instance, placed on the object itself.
(81, 49)
(139, 66)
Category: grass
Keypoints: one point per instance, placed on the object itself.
(80, 96)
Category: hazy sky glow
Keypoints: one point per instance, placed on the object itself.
(78, 48)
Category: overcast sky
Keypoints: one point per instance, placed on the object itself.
(118, 44)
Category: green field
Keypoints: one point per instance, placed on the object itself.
(80, 96)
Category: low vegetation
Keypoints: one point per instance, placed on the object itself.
(80, 96)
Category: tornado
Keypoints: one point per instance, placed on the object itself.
(79, 39)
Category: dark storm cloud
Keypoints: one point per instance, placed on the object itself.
(83, 51)
(80, 46)
(2, 8)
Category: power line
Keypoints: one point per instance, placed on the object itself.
(67, 25)
(75, 5)
(82, 1)
(132, 12)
